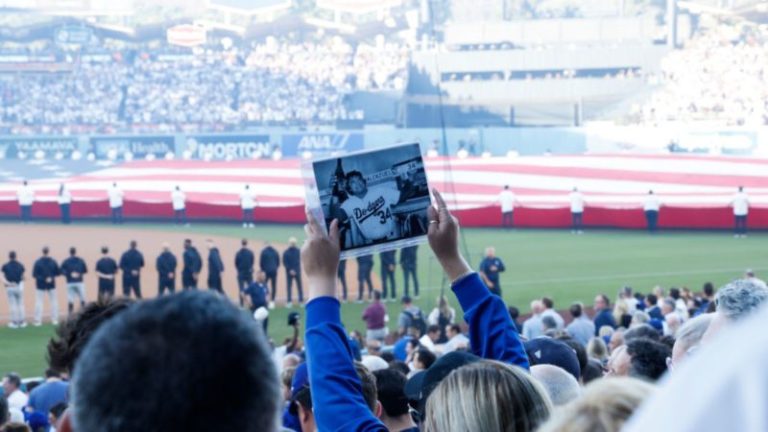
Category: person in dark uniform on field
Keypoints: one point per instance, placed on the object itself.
(106, 269)
(45, 271)
(73, 268)
(244, 260)
(255, 296)
(193, 263)
(13, 279)
(215, 267)
(408, 263)
(269, 263)
(341, 273)
(364, 268)
(131, 263)
(292, 263)
(490, 267)
(166, 271)
(388, 263)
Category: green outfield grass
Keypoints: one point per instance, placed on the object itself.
(558, 264)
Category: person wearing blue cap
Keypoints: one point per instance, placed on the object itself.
(337, 391)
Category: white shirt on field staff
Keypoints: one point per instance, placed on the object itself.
(115, 196)
(247, 199)
(740, 203)
(577, 201)
(25, 195)
(652, 202)
(507, 200)
(178, 199)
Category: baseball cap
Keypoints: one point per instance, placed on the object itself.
(544, 350)
(421, 385)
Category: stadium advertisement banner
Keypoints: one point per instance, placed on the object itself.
(139, 146)
(229, 146)
(320, 144)
(11, 147)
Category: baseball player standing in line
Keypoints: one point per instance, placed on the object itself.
(13, 279)
(166, 271)
(131, 263)
(73, 268)
(106, 269)
(45, 271)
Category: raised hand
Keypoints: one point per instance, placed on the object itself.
(320, 257)
(443, 236)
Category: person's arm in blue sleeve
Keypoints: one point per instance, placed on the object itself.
(337, 393)
(501, 266)
(490, 326)
(491, 332)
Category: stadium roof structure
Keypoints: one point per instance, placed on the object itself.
(250, 7)
(358, 7)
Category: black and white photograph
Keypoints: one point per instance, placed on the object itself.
(380, 197)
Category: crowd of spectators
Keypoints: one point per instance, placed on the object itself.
(719, 77)
(278, 82)
(195, 362)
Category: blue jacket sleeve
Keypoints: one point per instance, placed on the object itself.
(491, 331)
(337, 394)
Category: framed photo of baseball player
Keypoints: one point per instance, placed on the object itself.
(380, 198)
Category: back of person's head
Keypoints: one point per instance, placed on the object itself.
(104, 250)
(648, 358)
(514, 312)
(46, 250)
(641, 331)
(52, 373)
(604, 406)
(425, 357)
(575, 310)
(674, 293)
(203, 365)
(406, 300)
(512, 400)
(133, 244)
(549, 323)
(377, 295)
(651, 299)
(708, 289)
(13, 379)
(597, 349)
(12, 255)
(399, 366)
(72, 251)
(561, 386)
(593, 371)
(639, 318)
(689, 336)
(390, 387)
(432, 329)
(547, 302)
(73, 334)
(579, 349)
(739, 298)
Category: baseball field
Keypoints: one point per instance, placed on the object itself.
(558, 264)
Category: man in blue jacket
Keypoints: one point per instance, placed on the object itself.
(131, 263)
(603, 314)
(192, 266)
(73, 268)
(269, 263)
(292, 263)
(45, 271)
(215, 267)
(337, 399)
(244, 260)
(166, 271)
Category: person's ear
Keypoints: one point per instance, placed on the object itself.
(379, 410)
(65, 423)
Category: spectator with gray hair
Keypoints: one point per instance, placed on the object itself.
(735, 301)
(561, 386)
(688, 338)
(641, 331)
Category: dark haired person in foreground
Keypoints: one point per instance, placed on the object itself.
(337, 398)
(198, 362)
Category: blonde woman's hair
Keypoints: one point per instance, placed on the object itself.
(619, 310)
(604, 406)
(487, 396)
(597, 349)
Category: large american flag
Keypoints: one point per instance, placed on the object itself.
(614, 181)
